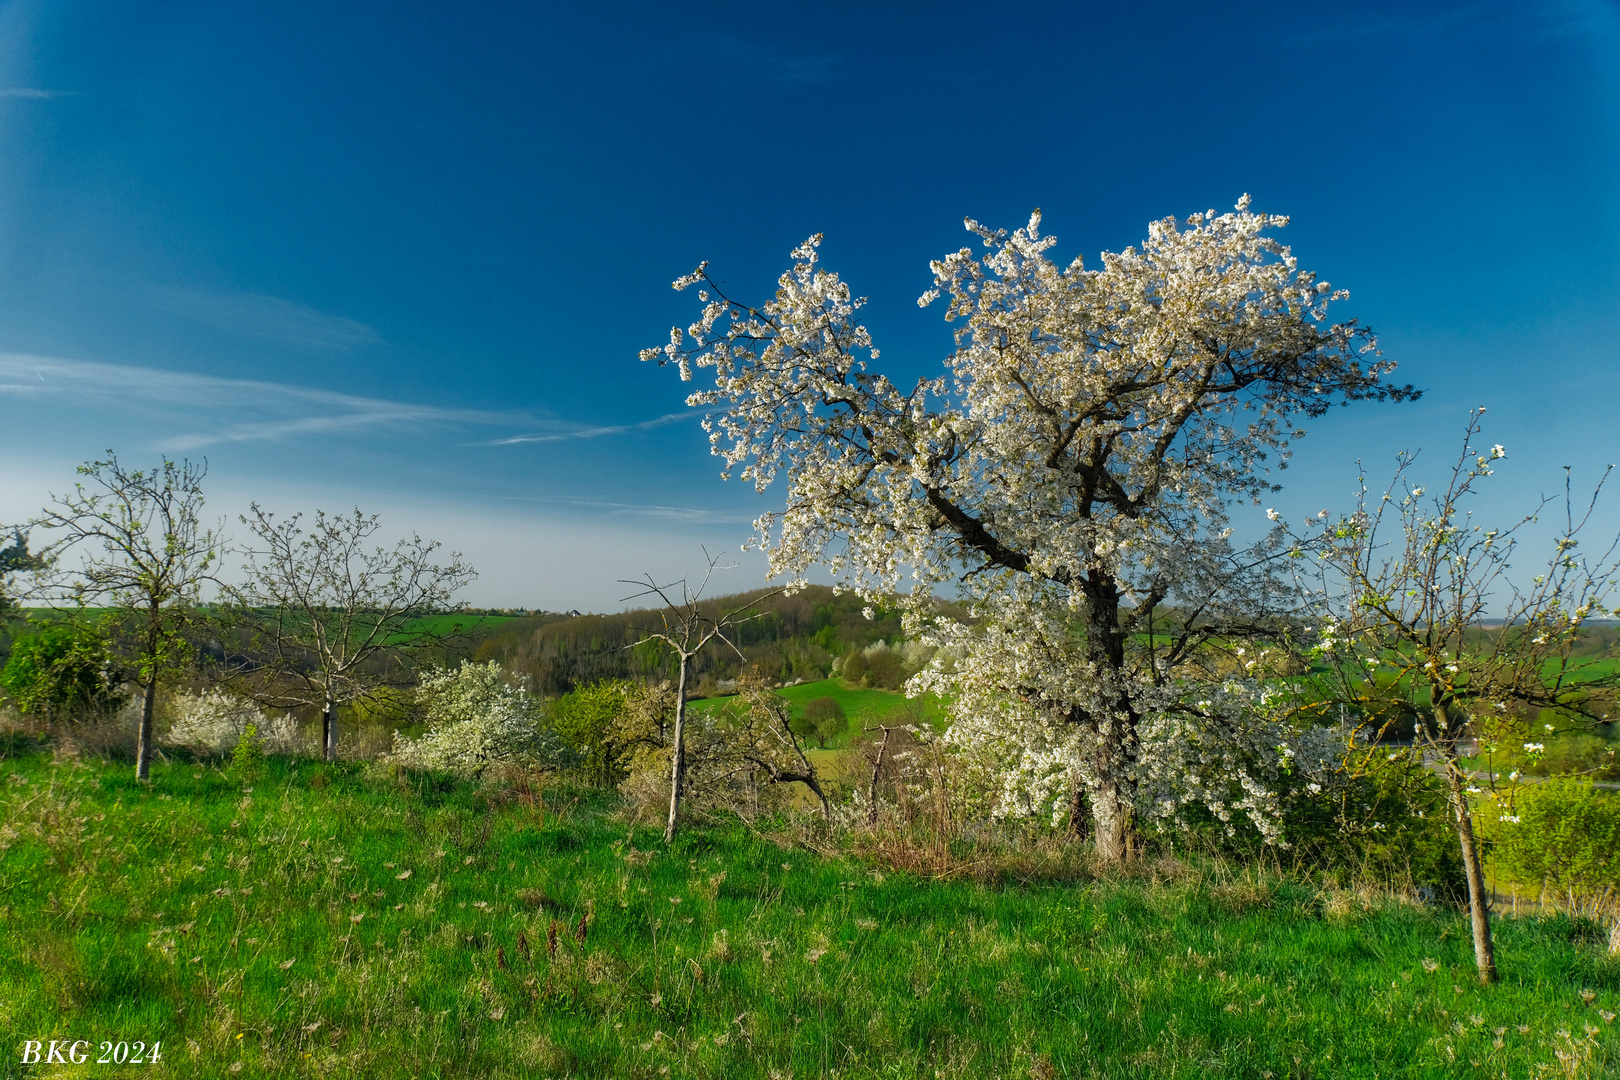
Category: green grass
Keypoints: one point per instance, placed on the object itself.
(335, 924)
(862, 705)
(456, 623)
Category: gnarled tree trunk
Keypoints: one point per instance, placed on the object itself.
(1113, 723)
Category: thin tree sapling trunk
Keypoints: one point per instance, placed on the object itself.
(677, 770)
(329, 730)
(143, 738)
(1479, 914)
(877, 770)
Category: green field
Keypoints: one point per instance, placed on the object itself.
(334, 923)
(457, 622)
(865, 707)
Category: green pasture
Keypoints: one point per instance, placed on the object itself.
(864, 706)
(453, 623)
(333, 922)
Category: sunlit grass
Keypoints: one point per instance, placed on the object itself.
(328, 923)
(864, 706)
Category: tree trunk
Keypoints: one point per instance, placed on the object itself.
(143, 742)
(1110, 793)
(1079, 812)
(871, 788)
(1113, 825)
(677, 771)
(329, 730)
(1479, 916)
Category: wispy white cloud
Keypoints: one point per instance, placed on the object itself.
(267, 318)
(588, 432)
(257, 411)
(243, 410)
(34, 93)
(688, 515)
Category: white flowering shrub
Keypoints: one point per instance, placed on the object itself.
(215, 721)
(476, 718)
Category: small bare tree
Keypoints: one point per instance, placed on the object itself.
(332, 620)
(759, 740)
(686, 630)
(1423, 607)
(149, 555)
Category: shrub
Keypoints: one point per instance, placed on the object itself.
(1579, 752)
(877, 665)
(476, 718)
(214, 722)
(1560, 836)
(247, 760)
(587, 721)
(60, 672)
(1385, 822)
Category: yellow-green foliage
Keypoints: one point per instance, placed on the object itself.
(587, 720)
(1562, 835)
(247, 759)
(388, 707)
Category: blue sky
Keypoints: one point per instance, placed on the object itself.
(403, 256)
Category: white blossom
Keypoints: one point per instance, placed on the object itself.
(215, 721)
(477, 718)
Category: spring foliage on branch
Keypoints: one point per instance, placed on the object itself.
(1068, 475)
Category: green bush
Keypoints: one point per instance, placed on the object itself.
(60, 671)
(587, 721)
(1582, 753)
(247, 760)
(1562, 836)
(877, 666)
(1387, 824)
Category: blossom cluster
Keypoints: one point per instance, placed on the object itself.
(476, 718)
(215, 721)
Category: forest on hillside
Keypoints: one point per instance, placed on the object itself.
(794, 637)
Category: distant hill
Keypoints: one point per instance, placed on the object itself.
(796, 637)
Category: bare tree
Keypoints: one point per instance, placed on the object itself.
(1424, 607)
(333, 620)
(154, 558)
(686, 630)
(760, 740)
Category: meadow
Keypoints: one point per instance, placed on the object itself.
(352, 920)
(865, 707)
